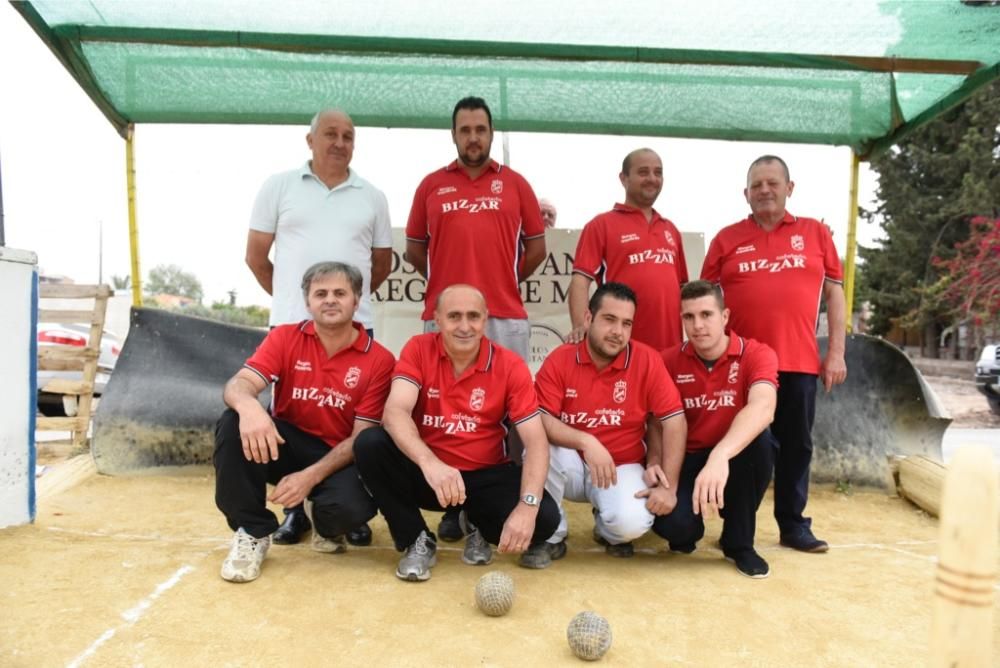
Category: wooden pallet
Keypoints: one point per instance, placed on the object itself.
(91, 311)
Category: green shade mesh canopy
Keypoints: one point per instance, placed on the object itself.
(852, 72)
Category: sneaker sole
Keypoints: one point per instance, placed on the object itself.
(235, 577)
(752, 576)
(418, 577)
(329, 549)
(477, 562)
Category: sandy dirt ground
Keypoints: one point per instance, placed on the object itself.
(125, 572)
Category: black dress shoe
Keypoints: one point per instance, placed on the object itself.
(296, 524)
(450, 529)
(361, 536)
(804, 542)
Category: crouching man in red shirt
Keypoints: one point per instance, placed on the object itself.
(443, 444)
(330, 383)
(729, 388)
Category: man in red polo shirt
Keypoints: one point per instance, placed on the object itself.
(774, 268)
(595, 397)
(728, 384)
(634, 245)
(330, 383)
(477, 222)
(453, 394)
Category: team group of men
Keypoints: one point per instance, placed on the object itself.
(654, 431)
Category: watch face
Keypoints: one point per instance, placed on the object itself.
(530, 499)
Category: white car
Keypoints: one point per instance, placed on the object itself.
(988, 376)
(73, 335)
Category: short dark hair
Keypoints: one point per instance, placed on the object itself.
(471, 104)
(769, 158)
(699, 289)
(627, 162)
(321, 269)
(616, 290)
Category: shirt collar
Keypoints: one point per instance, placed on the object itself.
(362, 344)
(735, 348)
(620, 362)
(492, 165)
(625, 208)
(483, 362)
(351, 182)
(787, 219)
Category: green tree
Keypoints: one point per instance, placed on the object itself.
(123, 282)
(169, 279)
(931, 185)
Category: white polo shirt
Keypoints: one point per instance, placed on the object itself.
(312, 223)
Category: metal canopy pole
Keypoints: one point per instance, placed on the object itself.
(852, 240)
(133, 225)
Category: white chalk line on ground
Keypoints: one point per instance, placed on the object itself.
(132, 615)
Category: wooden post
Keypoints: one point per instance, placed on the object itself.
(962, 630)
(852, 241)
(133, 223)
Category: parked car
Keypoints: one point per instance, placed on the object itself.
(73, 335)
(988, 376)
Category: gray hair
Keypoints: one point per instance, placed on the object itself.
(321, 269)
(764, 159)
(314, 123)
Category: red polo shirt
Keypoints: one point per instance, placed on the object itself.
(773, 282)
(649, 258)
(473, 231)
(462, 419)
(611, 404)
(713, 398)
(323, 395)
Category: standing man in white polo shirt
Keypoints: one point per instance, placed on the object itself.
(322, 211)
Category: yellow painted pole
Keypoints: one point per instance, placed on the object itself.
(852, 241)
(133, 224)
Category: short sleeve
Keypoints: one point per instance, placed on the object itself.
(761, 365)
(711, 268)
(264, 216)
(662, 400)
(370, 406)
(382, 238)
(532, 225)
(521, 400)
(681, 264)
(410, 366)
(268, 360)
(416, 224)
(831, 260)
(549, 386)
(590, 250)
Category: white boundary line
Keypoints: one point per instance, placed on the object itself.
(132, 615)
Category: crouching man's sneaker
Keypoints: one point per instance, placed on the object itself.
(419, 558)
(748, 562)
(477, 550)
(335, 545)
(541, 555)
(245, 557)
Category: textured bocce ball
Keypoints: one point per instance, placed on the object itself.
(495, 593)
(589, 635)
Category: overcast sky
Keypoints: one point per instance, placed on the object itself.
(63, 170)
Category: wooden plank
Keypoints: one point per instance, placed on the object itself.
(70, 291)
(62, 424)
(68, 386)
(66, 317)
(66, 353)
(921, 480)
(65, 475)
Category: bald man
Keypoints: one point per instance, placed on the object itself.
(323, 211)
(633, 244)
(453, 397)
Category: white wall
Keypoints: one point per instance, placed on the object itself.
(18, 306)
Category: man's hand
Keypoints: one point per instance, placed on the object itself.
(654, 475)
(603, 472)
(834, 371)
(293, 488)
(446, 481)
(576, 334)
(659, 500)
(259, 436)
(710, 486)
(518, 529)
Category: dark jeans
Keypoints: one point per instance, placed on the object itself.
(749, 475)
(340, 502)
(792, 427)
(400, 491)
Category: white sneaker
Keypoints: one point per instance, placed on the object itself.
(245, 557)
(335, 545)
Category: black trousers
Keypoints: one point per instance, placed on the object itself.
(749, 475)
(340, 502)
(792, 427)
(400, 491)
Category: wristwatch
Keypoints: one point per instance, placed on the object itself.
(530, 500)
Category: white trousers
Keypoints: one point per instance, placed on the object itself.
(619, 517)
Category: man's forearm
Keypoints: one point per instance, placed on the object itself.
(562, 435)
(836, 316)
(674, 447)
(405, 435)
(534, 255)
(535, 468)
(747, 425)
(579, 289)
(240, 395)
(263, 271)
